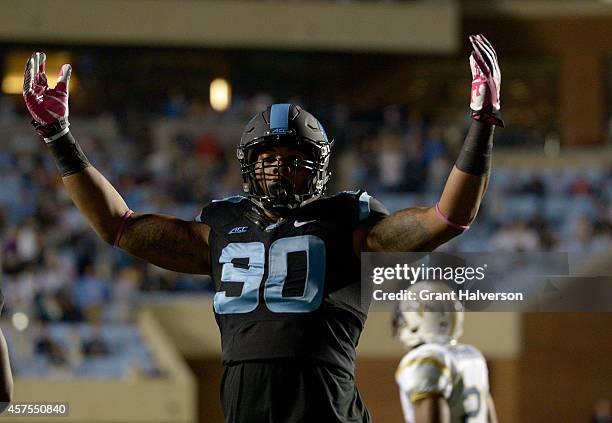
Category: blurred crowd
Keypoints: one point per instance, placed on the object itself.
(532, 208)
(55, 269)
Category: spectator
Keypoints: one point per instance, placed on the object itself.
(515, 237)
(95, 345)
(69, 310)
(91, 292)
(47, 346)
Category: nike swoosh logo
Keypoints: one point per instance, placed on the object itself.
(298, 224)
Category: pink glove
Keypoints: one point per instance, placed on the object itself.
(48, 106)
(486, 81)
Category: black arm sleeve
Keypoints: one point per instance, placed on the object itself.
(475, 155)
(69, 156)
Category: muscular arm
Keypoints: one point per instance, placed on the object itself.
(165, 241)
(422, 228)
(162, 240)
(425, 228)
(432, 409)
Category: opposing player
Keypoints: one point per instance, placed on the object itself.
(440, 380)
(284, 258)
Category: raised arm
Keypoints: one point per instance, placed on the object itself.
(165, 241)
(425, 228)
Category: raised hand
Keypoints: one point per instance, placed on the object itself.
(48, 106)
(486, 81)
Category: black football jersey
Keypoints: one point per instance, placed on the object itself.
(289, 288)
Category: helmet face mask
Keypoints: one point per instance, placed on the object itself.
(280, 175)
(284, 167)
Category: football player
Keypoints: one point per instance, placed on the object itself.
(440, 380)
(284, 258)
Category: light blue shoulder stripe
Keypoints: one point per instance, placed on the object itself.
(364, 206)
(233, 199)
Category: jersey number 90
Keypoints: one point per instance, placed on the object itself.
(251, 275)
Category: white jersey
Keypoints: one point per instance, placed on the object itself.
(457, 372)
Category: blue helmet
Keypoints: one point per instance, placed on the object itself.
(290, 126)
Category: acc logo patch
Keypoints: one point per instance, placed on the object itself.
(238, 230)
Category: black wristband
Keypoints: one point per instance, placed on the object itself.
(475, 155)
(68, 155)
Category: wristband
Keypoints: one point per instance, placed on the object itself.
(475, 155)
(450, 222)
(68, 155)
(124, 220)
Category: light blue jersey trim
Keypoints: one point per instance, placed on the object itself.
(233, 199)
(364, 206)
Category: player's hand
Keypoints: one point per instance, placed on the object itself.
(486, 81)
(48, 106)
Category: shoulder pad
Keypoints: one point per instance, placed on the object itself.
(223, 210)
(235, 199)
(359, 205)
(467, 351)
(426, 370)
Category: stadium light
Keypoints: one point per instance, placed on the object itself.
(14, 65)
(12, 84)
(220, 94)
